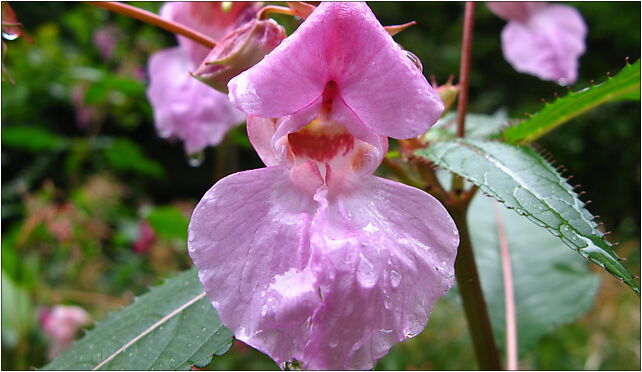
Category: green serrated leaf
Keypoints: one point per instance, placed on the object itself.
(172, 327)
(624, 86)
(521, 179)
(31, 138)
(551, 286)
(478, 126)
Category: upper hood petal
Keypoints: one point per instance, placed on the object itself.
(345, 43)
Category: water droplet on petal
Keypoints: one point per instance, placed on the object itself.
(366, 273)
(196, 159)
(387, 303)
(408, 333)
(415, 60)
(395, 278)
(292, 365)
(164, 133)
(9, 36)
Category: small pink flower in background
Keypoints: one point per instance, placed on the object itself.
(105, 40)
(146, 237)
(184, 107)
(314, 260)
(84, 113)
(62, 323)
(542, 39)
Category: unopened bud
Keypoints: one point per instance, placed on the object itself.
(448, 94)
(238, 51)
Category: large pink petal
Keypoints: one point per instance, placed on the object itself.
(548, 45)
(382, 255)
(183, 106)
(332, 280)
(343, 42)
(249, 238)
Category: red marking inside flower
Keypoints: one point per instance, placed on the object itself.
(330, 91)
(320, 145)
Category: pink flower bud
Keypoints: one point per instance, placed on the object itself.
(448, 94)
(239, 51)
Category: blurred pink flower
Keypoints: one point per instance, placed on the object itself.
(146, 237)
(542, 39)
(105, 40)
(62, 323)
(183, 106)
(84, 113)
(313, 259)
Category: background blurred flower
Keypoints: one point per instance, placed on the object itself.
(62, 323)
(105, 40)
(184, 107)
(542, 39)
(146, 237)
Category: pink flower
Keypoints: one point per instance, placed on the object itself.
(146, 237)
(184, 107)
(106, 39)
(541, 39)
(62, 323)
(313, 259)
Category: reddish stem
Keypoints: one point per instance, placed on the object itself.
(156, 20)
(274, 9)
(464, 67)
(509, 293)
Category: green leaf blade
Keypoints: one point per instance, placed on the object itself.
(521, 179)
(172, 327)
(624, 86)
(551, 287)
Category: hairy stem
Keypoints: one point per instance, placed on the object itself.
(472, 296)
(509, 293)
(156, 20)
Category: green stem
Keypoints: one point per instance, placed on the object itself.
(471, 293)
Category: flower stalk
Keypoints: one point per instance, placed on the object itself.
(471, 294)
(509, 293)
(154, 19)
(465, 268)
(464, 67)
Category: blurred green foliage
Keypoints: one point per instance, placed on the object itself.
(83, 169)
